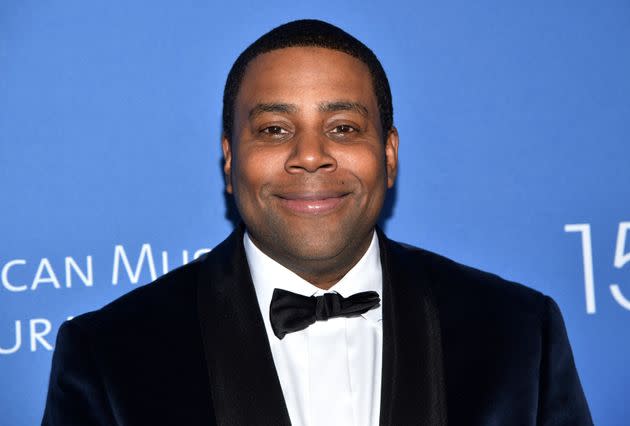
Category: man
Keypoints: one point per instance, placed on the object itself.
(307, 314)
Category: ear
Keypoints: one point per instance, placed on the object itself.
(226, 146)
(391, 156)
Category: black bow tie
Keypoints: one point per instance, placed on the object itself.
(291, 312)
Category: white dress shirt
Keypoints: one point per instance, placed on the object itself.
(330, 372)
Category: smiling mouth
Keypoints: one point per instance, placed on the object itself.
(312, 204)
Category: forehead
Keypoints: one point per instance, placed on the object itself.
(302, 74)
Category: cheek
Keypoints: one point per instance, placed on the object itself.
(253, 170)
(369, 168)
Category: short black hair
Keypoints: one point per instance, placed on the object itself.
(309, 33)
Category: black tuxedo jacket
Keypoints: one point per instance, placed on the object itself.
(460, 346)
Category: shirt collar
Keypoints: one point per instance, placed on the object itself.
(267, 274)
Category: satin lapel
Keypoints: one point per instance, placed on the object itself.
(412, 390)
(243, 379)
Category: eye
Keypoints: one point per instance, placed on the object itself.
(274, 131)
(344, 129)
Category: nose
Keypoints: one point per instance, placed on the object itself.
(310, 153)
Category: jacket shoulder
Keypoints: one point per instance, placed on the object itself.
(143, 347)
(501, 342)
(468, 289)
(171, 297)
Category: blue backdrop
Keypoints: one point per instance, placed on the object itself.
(514, 123)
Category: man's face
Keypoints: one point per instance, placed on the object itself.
(307, 163)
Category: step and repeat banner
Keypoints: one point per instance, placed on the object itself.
(514, 121)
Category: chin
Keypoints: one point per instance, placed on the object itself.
(313, 253)
(318, 245)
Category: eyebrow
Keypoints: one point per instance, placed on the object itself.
(284, 108)
(344, 106)
(272, 107)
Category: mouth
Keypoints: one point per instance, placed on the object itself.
(309, 203)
